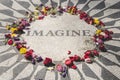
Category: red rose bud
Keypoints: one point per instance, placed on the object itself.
(69, 52)
(71, 58)
(47, 61)
(7, 35)
(88, 52)
(79, 11)
(106, 32)
(19, 45)
(28, 56)
(82, 16)
(76, 58)
(88, 60)
(69, 62)
(106, 36)
(102, 24)
(101, 37)
(41, 17)
(111, 32)
(86, 56)
(31, 51)
(95, 52)
(74, 66)
(102, 48)
(10, 42)
(47, 8)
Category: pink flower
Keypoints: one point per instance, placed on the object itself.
(59, 68)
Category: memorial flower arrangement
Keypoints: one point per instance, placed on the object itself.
(17, 29)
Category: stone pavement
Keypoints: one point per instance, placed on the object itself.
(107, 67)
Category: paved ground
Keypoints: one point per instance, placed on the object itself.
(106, 67)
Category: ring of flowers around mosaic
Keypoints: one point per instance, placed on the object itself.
(16, 30)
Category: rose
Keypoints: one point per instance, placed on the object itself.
(10, 42)
(47, 61)
(70, 64)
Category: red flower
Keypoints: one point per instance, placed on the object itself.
(69, 52)
(10, 42)
(41, 17)
(83, 15)
(106, 32)
(102, 24)
(28, 55)
(19, 45)
(76, 58)
(74, 67)
(88, 52)
(70, 64)
(102, 48)
(88, 60)
(7, 35)
(71, 58)
(30, 51)
(86, 56)
(111, 32)
(101, 37)
(95, 52)
(47, 61)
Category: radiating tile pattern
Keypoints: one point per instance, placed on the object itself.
(107, 66)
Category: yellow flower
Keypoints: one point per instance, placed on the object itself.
(96, 21)
(98, 31)
(13, 35)
(69, 10)
(72, 10)
(13, 30)
(36, 12)
(8, 27)
(13, 44)
(23, 50)
(36, 17)
(44, 10)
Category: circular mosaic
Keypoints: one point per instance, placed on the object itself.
(58, 39)
(48, 52)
